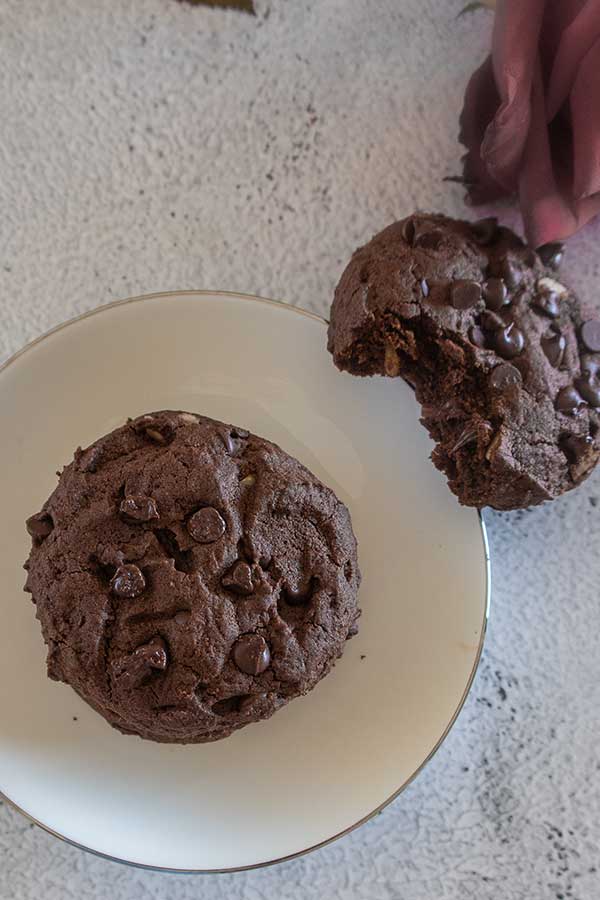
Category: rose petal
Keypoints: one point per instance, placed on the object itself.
(577, 35)
(544, 185)
(514, 53)
(480, 104)
(585, 118)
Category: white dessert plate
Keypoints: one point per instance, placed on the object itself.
(326, 762)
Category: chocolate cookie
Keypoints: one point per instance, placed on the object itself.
(503, 358)
(191, 577)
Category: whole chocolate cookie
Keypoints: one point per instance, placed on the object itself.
(191, 577)
(503, 358)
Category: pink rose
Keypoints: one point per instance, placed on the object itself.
(531, 116)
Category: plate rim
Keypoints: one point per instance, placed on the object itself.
(281, 304)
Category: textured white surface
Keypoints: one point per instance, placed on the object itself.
(148, 146)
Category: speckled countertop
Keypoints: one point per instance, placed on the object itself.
(152, 145)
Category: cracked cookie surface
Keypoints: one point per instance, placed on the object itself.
(191, 578)
(503, 358)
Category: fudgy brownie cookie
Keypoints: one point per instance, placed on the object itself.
(191, 577)
(502, 356)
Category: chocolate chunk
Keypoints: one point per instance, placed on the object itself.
(465, 293)
(128, 582)
(485, 231)
(477, 336)
(554, 346)
(509, 341)
(589, 388)
(551, 254)
(510, 272)
(495, 294)
(206, 525)
(505, 376)
(424, 288)
(239, 578)
(547, 303)
(251, 654)
(40, 525)
(569, 401)
(590, 335)
(136, 508)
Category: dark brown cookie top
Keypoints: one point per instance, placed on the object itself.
(502, 355)
(191, 577)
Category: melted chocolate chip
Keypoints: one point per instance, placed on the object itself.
(547, 303)
(484, 231)
(509, 341)
(234, 440)
(136, 508)
(477, 336)
(40, 525)
(251, 654)
(239, 578)
(505, 376)
(554, 346)
(569, 401)
(424, 288)
(590, 335)
(464, 294)
(128, 582)
(153, 429)
(495, 294)
(551, 254)
(430, 240)
(589, 388)
(206, 525)
(153, 654)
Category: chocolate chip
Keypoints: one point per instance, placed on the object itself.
(182, 616)
(153, 654)
(300, 595)
(495, 294)
(477, 336)
(251, 654)
(40, 525)
(554, 346)
(510, 272)
(484, 231)
(590, 365)
(551, 254)
(505, 376)
(590, 335)
(509, 341)
(128, 582)
(234, 440)
(408, 231)
(425, 288)
(206, 525)
(465, 293)
(491, 321)
(137, 508)
(239, 578)
(569, 401)
(589, 388)
(547, 303)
